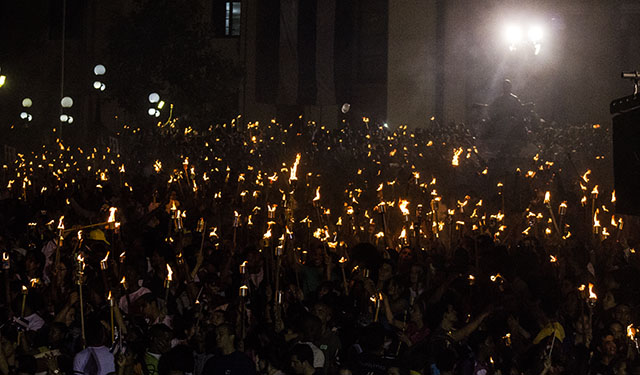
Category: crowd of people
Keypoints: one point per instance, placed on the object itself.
(252, 248)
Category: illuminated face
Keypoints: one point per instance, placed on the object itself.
(608, 345)
(385, 272)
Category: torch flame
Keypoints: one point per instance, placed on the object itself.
(109, 296)
(112, 214)
(592, 295)
(585, 176)
(596, 222)
(124, 280)
(631, 331)
(294, 169)
(613, 196)
(403, 207)
(456, 156)
(267, 234)
(61, 223)
(169, 273)
(342, 260)
(34, 282)
(403, 234)
(106, 257)
(552, 259)
(547, 197)
(317, 197)
(594, 192)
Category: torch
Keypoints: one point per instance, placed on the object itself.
(25, 291)
(80, 277)
(562, 211)
(631, 334)
(60, 241)
(594, 197)
(6, 265)
(200, 229)
(591, 302)
(342, 262)
(236, 223)
(167, 283)
(103, 270)
(547, 202)
(244, 291)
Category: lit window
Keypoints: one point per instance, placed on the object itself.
(232, 18)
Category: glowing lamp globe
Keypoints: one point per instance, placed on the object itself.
(154, 97)
(27, 103)
(99, 70)
(66, 102)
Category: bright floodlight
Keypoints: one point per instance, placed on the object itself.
(151, 111)
(154, 97)
(99, 70)
(97, 84)
(535, 33)
(3, 79)
(513, 34)
(29, 118)
(64, 118)
(161, 104)
(26, 102)
(24, 115)
(157, 113)
(102, 87)
(70, 120)
(346, 107)
(66, 102)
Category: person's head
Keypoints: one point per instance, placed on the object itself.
(617, 330)
(622, 313)
(34, 262)
(302, 359)
(310, 327)
(372, 338)
(385, 271)
(94, 332)
(225, 337)
(607, 345)
(442, 315)
(57, 333)
(415, 273)
(147, 305)
(159, 339)
(217, 317)
(323, 312)
(270, 361)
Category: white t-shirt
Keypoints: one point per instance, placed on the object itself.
(35, 322)
(94, 360)
(318, 354)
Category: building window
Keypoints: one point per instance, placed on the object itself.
(232, 18)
